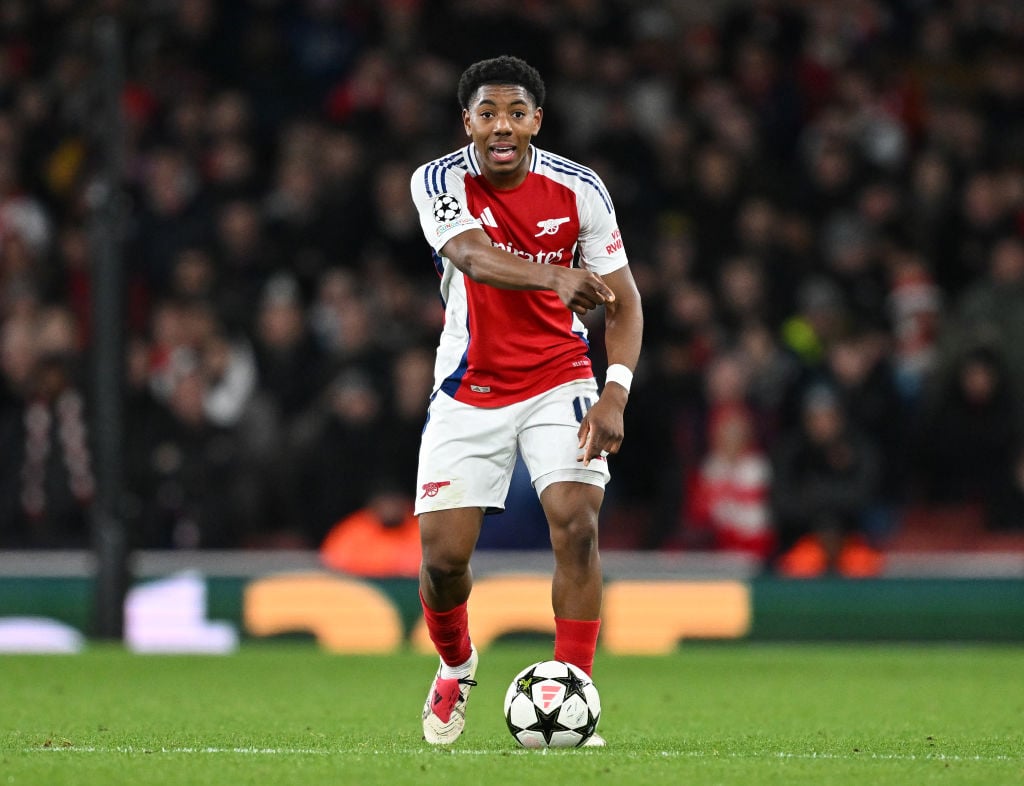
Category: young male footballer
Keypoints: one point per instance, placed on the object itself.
(506, 220)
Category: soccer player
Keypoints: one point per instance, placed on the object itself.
(506, 220)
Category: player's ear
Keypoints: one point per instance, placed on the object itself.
(465, 122)
(538, 116)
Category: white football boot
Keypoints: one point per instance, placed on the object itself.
(444, 712)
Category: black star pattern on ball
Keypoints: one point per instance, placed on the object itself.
(525, 684)
(547, 723)
(588, 730)
(573, 685)
(511, 726)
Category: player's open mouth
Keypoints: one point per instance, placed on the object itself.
(503, 153)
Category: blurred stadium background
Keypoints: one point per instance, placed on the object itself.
(217, 311)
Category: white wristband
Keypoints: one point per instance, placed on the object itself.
(619, 373)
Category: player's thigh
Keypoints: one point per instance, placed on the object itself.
(572, 509)
(467, 455)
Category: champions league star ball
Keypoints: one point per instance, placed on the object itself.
(552, 704)
(446, 208)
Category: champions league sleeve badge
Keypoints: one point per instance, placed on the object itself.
(446, 208)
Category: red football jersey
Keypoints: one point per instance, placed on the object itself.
(500, 346)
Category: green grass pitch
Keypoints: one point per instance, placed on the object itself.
(287, 713)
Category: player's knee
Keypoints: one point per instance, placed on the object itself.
(444, 570)
(575, 538)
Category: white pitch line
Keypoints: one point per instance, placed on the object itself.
(889, 756)
(179, 751)
(942, 757)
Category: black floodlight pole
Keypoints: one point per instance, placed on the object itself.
(107, 220)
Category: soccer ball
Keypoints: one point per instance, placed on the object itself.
(552, 704)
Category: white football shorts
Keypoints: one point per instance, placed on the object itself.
(467, 453)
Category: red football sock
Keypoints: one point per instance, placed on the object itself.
(449, 630)
(576, 642)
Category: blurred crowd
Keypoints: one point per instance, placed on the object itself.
(823, 205)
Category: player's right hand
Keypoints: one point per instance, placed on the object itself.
(582, 291)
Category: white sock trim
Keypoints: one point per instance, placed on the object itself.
(457, 672)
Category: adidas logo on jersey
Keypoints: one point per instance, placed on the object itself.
(487, 218)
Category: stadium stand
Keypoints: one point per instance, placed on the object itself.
(810, 194)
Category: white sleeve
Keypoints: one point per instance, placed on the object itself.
(440, 198)
(601, 249)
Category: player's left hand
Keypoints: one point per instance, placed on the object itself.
(601, 430)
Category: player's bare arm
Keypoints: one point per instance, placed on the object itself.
(473, 254)
(602, 426)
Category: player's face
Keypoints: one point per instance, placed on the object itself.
(502, 120)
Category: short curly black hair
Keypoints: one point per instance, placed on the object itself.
(504, 70)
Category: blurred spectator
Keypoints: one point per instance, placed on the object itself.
(713, 205)
(173, 215)
(970, 435)
(984, 218)
(336, 299)
(862, 378)
(915, 310)
(46, 468)
(991, 311)
(337, 455)
(379, 540)
(825, 477)
(193, 275)
(722, 388)
(293, 207)
(185, 474)
(343, 322)
(829, 183)
(726, 381)
(396, 222)
(930, 228)
(729, 499)
(18, 355)
(743, 294)
(345, 170)
(292, 369)
(759, 238)
(229, 371)
(820, 317)
(773, 374)
(245, 259)
(850, 253)
(691, 319)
